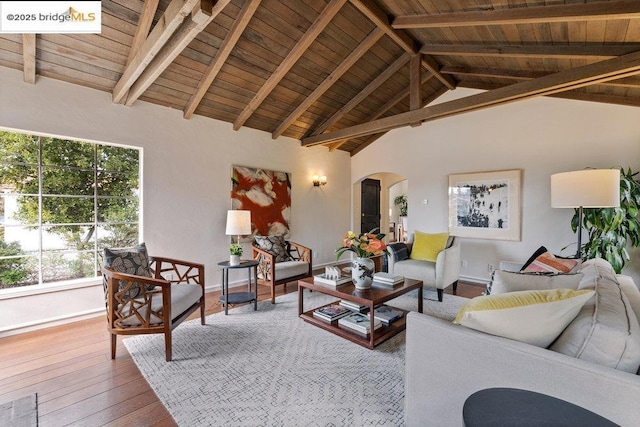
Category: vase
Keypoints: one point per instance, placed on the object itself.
(234, 259)
(362, 272)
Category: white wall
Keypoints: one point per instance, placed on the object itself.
(540, 136)
(187, 174)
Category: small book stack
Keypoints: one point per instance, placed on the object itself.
(354, 306)
(387, 280)
(332, 276)
(387, 314)
(358, 323)
(332, 312)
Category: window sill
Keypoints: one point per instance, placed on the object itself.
(49, 288)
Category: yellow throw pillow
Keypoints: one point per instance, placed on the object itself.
(534, 317)
(427, 246)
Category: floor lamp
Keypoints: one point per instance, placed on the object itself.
(589, 188)
(238, 223)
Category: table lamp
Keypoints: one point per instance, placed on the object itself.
(589, 188)
(238, 223)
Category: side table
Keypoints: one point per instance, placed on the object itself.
(239, 297)
(524, 408)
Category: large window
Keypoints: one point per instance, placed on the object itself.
(62, 202)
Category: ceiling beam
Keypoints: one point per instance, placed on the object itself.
(389, 105)
(573, 95)
(559, 82)
(29, 58)
(415, 86)
(142, 31)
(144, 26)
(376, 15)
(603, 10)
(298, 50)
(223, 53)
(576, 51)
(338, 72)
(526, 75)
(166, 26)
(368, 90)
(201, 16)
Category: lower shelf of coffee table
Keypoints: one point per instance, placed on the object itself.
(379, 335)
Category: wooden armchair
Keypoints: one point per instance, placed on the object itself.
(137, 304)
(272, 273)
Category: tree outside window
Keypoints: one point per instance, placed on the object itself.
(62, 202)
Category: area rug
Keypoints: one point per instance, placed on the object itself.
(269, 367)
(21, 412)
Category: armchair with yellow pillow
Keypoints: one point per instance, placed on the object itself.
(432, 258)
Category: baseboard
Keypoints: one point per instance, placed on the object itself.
(476, 280)
(48, 323)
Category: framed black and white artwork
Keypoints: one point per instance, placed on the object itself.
(485, 205)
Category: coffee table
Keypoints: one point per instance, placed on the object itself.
(372, 298)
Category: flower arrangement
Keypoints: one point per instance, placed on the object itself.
(364, 245)
(235, 249)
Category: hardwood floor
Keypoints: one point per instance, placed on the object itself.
(77, 383)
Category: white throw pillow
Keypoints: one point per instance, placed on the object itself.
(508, 281)
(534, 317)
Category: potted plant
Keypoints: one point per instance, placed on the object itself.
(235, 251)
(611, 228)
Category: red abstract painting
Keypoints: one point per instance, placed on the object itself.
(267, 194)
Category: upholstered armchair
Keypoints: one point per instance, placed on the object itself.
(280, 262)
(439, 274)
(150, 295)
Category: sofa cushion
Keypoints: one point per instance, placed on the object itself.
(606, 330)
(426, 246)
(416, 269)
(183, 296)
(287, 269)
(547, 262)
(533, 317)
(508, 281)
(276, 245)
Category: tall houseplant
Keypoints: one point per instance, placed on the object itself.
(611, 228)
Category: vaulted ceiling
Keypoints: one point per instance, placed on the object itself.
(342, 72)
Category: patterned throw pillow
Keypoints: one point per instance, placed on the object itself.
(129, 261)
(276, 245)
(547, 262)
(399, 251)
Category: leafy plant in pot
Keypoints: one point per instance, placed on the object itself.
(610, 229)
(235, 251)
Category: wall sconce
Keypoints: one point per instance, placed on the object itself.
(319, 180)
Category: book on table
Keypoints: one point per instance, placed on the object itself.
(354, 306)
(387, 314)
(359, 323)
(389, 278)
(331, 280)
(331, 312)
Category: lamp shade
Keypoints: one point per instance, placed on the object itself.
(238, 222)
(589, 188)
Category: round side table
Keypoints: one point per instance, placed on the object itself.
(239, 297)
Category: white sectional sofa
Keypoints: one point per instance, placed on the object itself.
(446, 363)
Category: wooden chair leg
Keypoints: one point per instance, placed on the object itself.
(273, 293)
(167, 345)
(440, 293)
(202, 313)
(455, 287)
(114, 341)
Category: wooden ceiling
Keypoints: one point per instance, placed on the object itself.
(343, 72)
